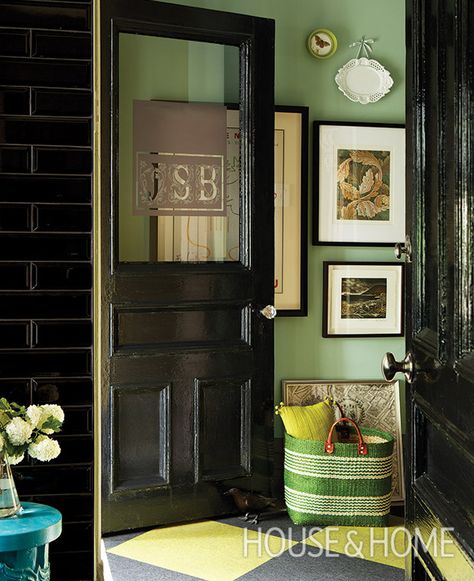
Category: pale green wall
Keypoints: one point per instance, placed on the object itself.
(300, 350)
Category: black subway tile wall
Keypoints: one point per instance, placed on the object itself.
(45, 252)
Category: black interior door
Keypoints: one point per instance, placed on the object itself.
(440, 308)
(186, 260)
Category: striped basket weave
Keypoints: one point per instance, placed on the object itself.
(340, 483)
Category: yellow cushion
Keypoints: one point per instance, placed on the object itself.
(307, 422)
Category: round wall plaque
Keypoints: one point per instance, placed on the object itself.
(322, 43)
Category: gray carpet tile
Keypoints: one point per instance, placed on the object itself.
(124, 569)
(114, 540)
(323, 568)
(281, 523)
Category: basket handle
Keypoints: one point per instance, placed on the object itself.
(329, 446)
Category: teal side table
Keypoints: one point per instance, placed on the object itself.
(24, 542)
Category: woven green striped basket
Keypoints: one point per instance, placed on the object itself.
(347, 486)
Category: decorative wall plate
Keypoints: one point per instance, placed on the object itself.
(364, 80)
(322, 43)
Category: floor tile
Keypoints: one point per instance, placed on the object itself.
(124, 569)
(279, 525)
(209, 550)
(111, 542)
(321, 568)
(362, 542)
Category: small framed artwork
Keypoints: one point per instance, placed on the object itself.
(322, 43)
(372, 404)
(359, 184)
(363, 299)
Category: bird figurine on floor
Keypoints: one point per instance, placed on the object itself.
(250, 503)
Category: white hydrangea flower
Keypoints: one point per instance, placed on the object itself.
(44, 449)
(48, 410)
(35, 415)
(19, 431)
(15, 459)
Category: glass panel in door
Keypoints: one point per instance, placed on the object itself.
(179, 151)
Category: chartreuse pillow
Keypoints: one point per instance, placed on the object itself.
(307, 422)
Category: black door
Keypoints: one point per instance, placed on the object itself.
(186, 260)
(440, 305)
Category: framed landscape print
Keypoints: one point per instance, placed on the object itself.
(363, 299)
(372, 404)
(359, 184)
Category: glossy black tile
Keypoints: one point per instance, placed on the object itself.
(63, 276)
(33, 363)
(44, 132)
(64, 391)
(45, 73)
(14, 276)
(52, 479)
(75, 537)
(45, 305)
(78, 421)
(49, 334)
(51, 15)
(61, 45)
(45, 189)
(64, 219)
(17, 390)
(15, 159)
(62, 161)
(14, 42)
(14, 101)
(54, 102)
(14, 335)
(73, 507)
(14, 218)
(48, 247)
(77, 449)
(58, 366)
(82, 569)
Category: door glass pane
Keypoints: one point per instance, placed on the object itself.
(179, 151)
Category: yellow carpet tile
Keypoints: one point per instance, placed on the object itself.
(209, 550)
(363, 542)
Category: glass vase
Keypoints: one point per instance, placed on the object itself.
(9, 502)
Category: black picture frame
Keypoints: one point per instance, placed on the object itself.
(302, 310)
(337, 325)
(360, 235)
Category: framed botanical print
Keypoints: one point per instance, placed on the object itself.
(359, 184)
(363, 299)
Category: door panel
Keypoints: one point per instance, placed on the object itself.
(187, 260)
(439, 310)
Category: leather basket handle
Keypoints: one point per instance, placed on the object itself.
(361, 447)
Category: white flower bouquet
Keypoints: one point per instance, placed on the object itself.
(28, 429)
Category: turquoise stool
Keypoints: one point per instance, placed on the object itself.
(24, 542)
